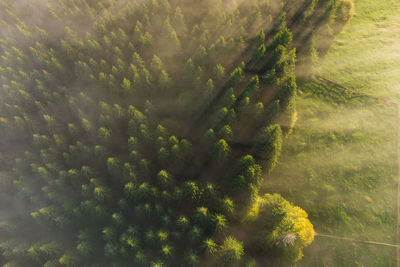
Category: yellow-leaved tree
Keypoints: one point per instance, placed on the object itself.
(279, 228)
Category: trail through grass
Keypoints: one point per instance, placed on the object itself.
(340, 162)
(340, 166)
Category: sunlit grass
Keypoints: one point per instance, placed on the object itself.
(366, 56)
(339, 164)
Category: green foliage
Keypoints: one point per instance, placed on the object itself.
(231, 250)
(183, 222)
(285, 228)
(227, 206)
(226, 133)
(69, 259)
(219, 222)
(118, 137)
(164, 178)
(210, 246)
(260, 37)
(269, 144)
(191, 258)
(218, 73)
(221, 151)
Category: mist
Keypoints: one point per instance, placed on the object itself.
(143, 133)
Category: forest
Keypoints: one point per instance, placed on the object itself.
(138, 133)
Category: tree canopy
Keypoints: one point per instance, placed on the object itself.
(137, 133)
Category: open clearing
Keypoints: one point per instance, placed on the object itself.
(340, 163)
(366, 56)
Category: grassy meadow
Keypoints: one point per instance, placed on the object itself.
(339, 164)
(366, 55)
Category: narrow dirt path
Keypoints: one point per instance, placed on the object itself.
(358, 241)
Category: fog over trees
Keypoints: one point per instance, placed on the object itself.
(137, 133)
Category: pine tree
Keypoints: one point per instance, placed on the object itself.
(221, 151)
(231, 250)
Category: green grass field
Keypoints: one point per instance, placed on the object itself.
(366, 55)
(339, 164)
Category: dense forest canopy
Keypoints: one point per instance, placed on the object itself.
(137, 133)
